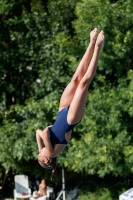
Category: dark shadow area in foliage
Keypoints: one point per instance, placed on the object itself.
(116, 186)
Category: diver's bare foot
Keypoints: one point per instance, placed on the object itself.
(93, 36)
(100, 40)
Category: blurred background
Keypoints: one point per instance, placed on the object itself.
(41, 44)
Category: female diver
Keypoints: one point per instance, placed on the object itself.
(72, 105)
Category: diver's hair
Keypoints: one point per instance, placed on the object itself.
(53, 171)
(52, 165)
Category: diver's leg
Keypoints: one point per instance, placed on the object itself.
(77, 106)
(69, 91)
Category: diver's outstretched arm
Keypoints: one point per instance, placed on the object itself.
(46, 140)
(39, 139)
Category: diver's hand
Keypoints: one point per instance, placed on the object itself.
(47, 129)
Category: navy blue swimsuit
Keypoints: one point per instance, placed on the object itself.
(60, 128)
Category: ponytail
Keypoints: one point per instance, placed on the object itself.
(53, 171)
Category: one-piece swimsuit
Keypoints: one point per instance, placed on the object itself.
(60, 128)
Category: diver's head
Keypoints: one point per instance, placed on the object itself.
(45, 161)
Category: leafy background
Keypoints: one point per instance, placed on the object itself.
(41, 44)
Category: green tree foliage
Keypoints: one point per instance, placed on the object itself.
(105, 146)
(117, 21)
(41, 45)
(107, 142)
(34, 54)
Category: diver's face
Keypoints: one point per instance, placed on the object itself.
(43, 158)
(43, 181)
